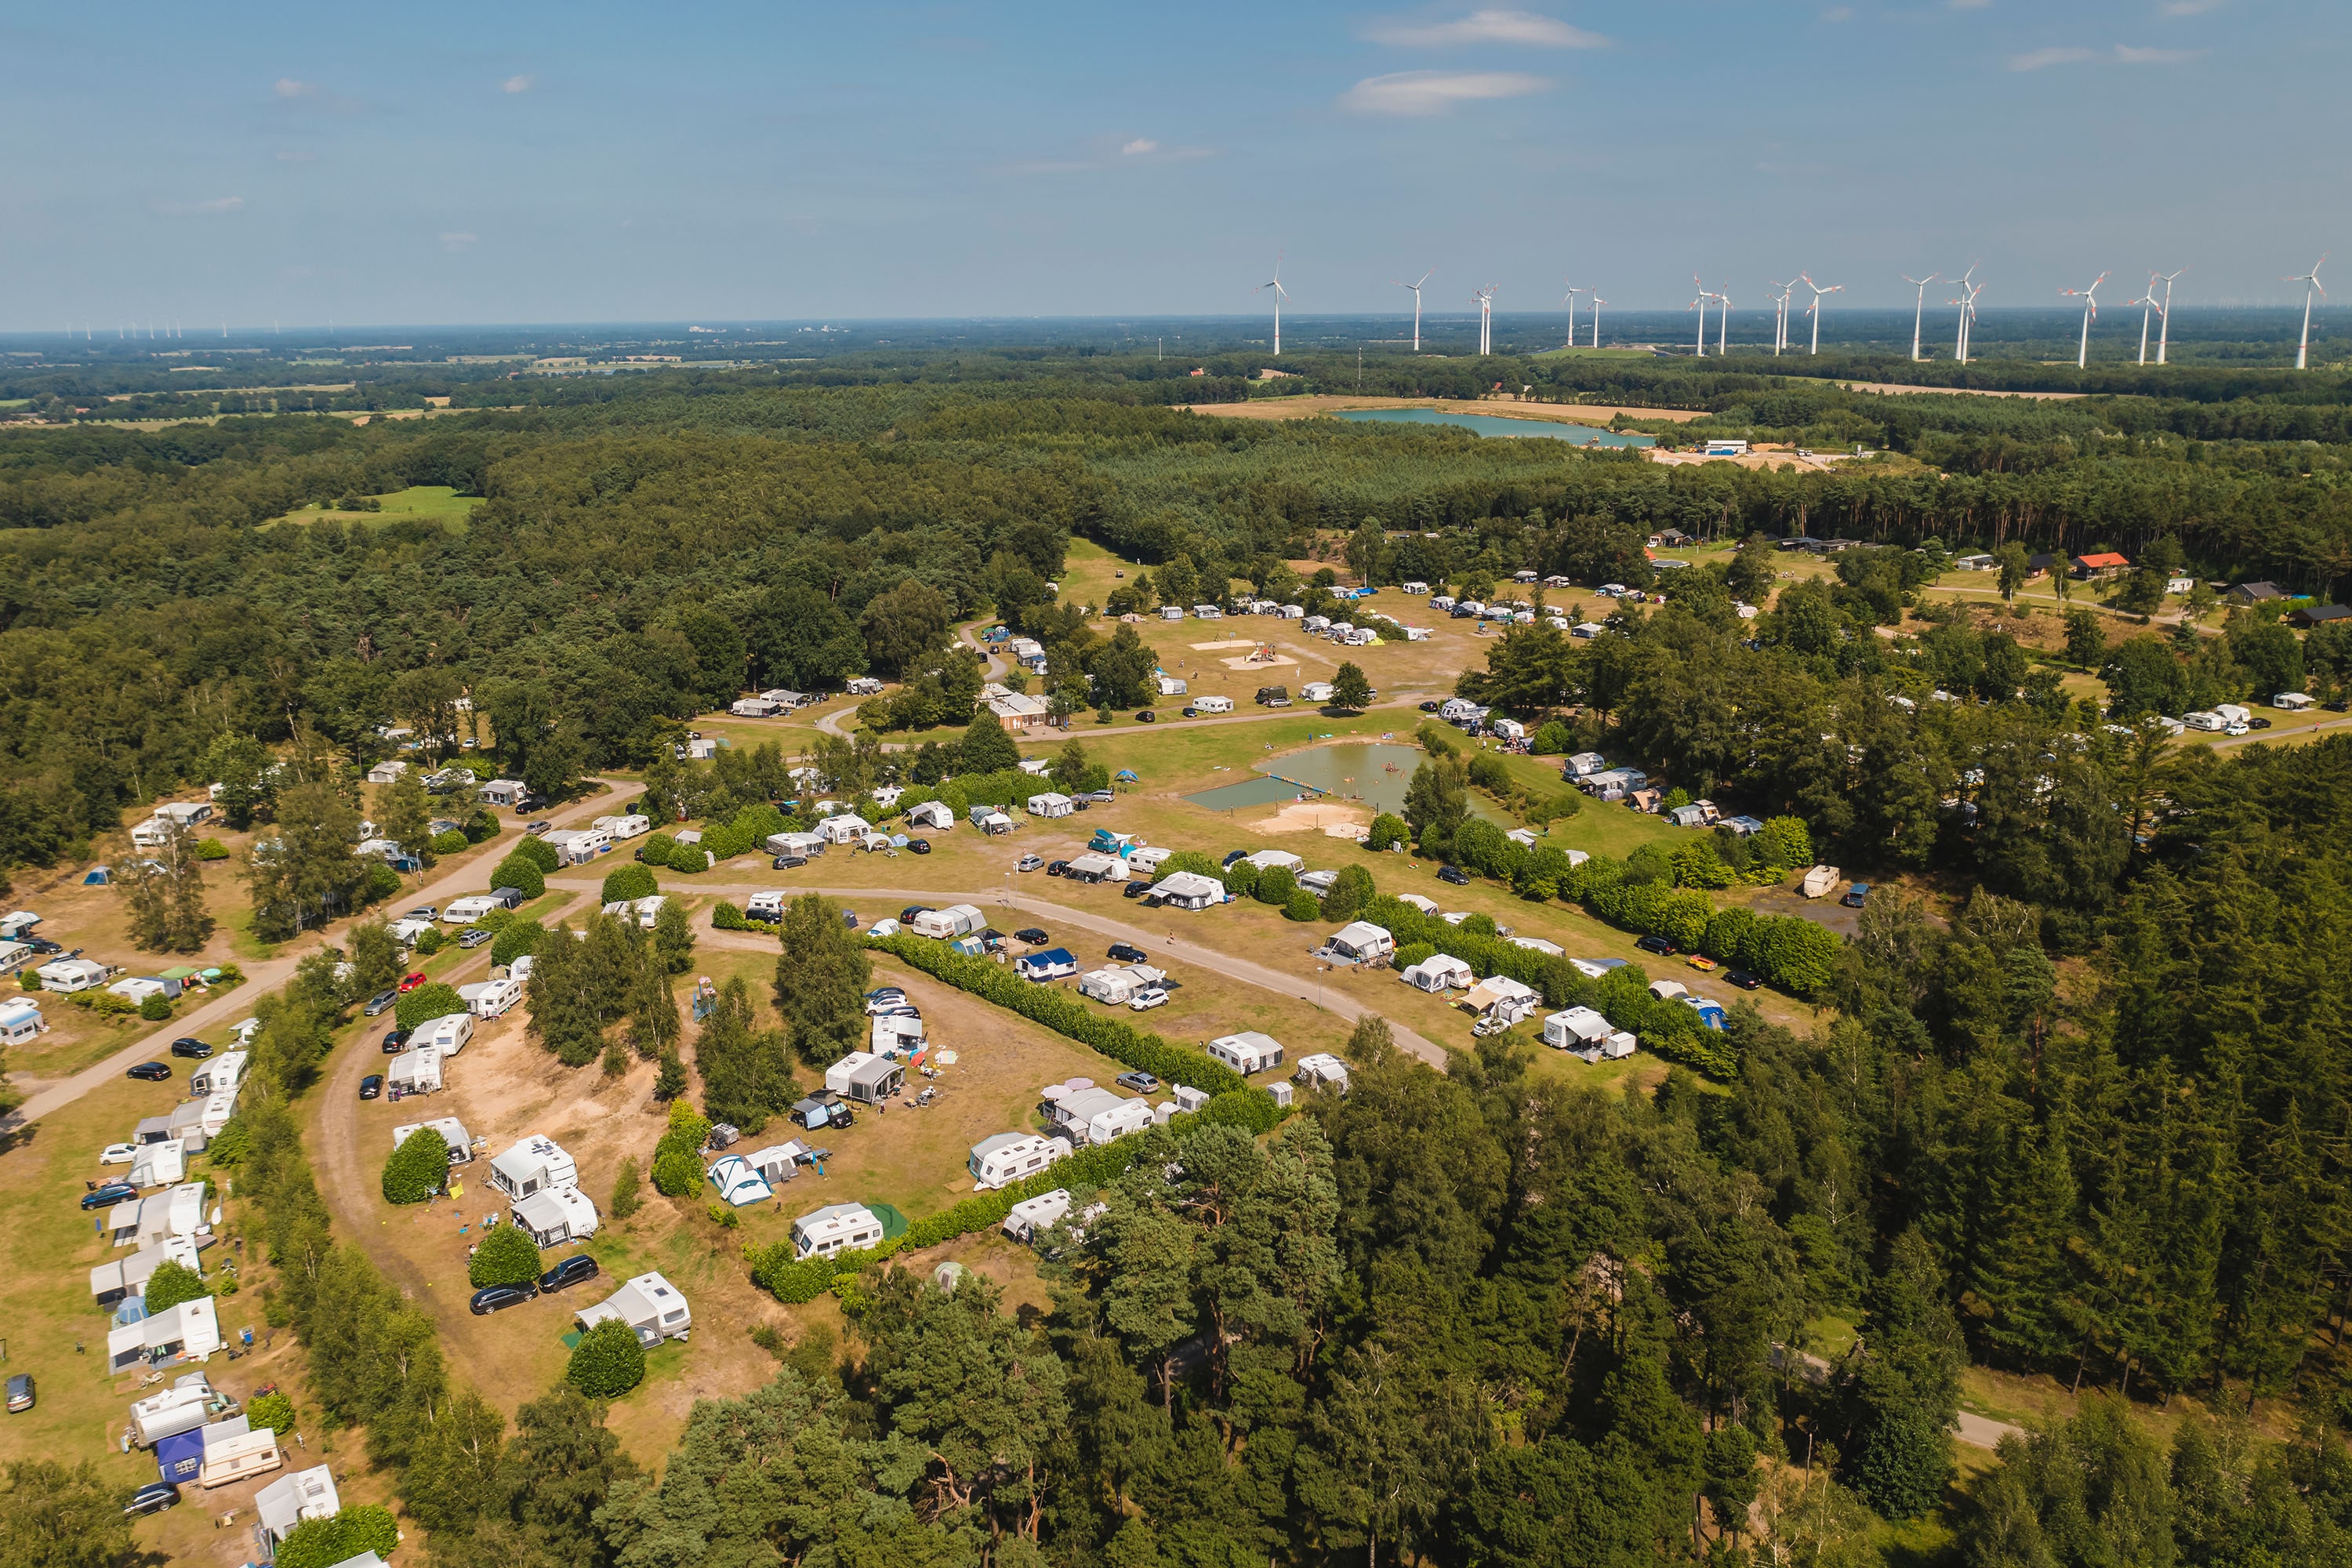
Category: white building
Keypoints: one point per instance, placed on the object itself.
(386, 771)
(447, 1034)
(470, 909)
(894, 1033)
(1247, 1052)
(502, 791)
(1004, 1158)
(1276, 860)
(70, 974)
(863, 1077)
(536, 1165)
(1031, 1216)
(1115, 985)
(649, 1304)
(1096, 867)
(955, 920)
(1050, 804)
(645, 911)
(841, 830)
(159, 1216)
(837, 1227)
(578, 845)
(632, 826)
(20, 1021)
(1212, 704)
(930, 814)
(1501, 996)
(491, 998)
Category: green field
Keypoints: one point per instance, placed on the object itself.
(431, 504)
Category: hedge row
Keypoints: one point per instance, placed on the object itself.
(1064, 1014)
(1786, 951)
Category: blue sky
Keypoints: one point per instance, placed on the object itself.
(525, 163)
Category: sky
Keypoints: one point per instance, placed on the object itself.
(523, 162)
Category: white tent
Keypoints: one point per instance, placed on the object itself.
(415, 1071)
(1437, 973)
(565, 1214)
(189, 1332)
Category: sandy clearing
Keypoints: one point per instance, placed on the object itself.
(1253, 661)
(1331, 817)
(1556, 412)
(1212, 646)
(1897, 387)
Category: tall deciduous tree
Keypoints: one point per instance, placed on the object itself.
(821, 982)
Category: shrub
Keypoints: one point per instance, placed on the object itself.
(1274, 886)
(1418, 953)
(1551, 739)
(1240, 879)
(453, 842)
(607, 1362)
(435, 999)
(725, 916)
(518, 872)
(383, 882)
(507, 1255)
(515, 939)
(1251, 1108)
(1301, 905)
(170, 1284)
(677, 1174)
(538, 851)
(626, 1196)
(1389, 830)
(723, 1215)
(481, 827)
(658, 848)
(428, 943)
(629, 881)
(1190, 861)
(417, 1169)
(1348, 894)
(359, 1529)
(211, 849)
(155, 1008)
(274, 1411)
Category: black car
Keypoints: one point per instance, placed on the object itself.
(20, 1393)
(1056, 867)
(918, 845)
(1126, 952)
(1135, 889)
(152, 1498)
(1141, 1082)
(108, 1195)
(395, 1041)
(380, 1004)
(1147, 717)
(1656, 944)
(1237, 855)
(1191, 712)
(2258, 722)
(42, 945)
(1033, 935)
(573, 1271)
(371, 1086)
(189, 1045)
(499, 1298)
(153, 1072)
(907, 915)
(1454, 875)
(1742, 979)
(780, 863)
(1429, 707)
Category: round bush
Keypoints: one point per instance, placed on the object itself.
(155, 1008)
(515, 939)
(417, 1168)
(1274, 886)
(725, 916)
(428, 943)
(629, 881)
(538, 851)
(383, 882)
(607, 1362)
(170, 1284)
(324, 1543)
(507, 1255)
(656, 850)
(274, 1411)
(211, 849)
(678, 1173)
(1301, 905)
(520, 872)
(1389, 830)
(436, 1000)
(453, 842)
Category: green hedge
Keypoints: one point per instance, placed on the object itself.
(453, 842)
(417, 1168)
(515, 939)
(1064, 1014)
(725, 916)
(432, 1000)
(677, 1157)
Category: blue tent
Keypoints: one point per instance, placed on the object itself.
(1126, 775)
(99, 876)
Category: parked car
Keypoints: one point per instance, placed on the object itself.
(1453, 875)
(2258, 722)
(189, 1045)
(573, 1271)
(884, 996)
(1097, 797)
(918, 845)
(1656, 944)
(499, 1298)
(1699, 961)
(118, 1153)
(1430, 707)
(1033, 935)
(410, 981)
(371, 1086)
(1148, 998)
(473, 936)
(1191, 712)
(107, 1195)
(1029, 862)
(1227, 863)
(907, 915)
(20, 1393)
(1147, 717)
(536, 828)
(395, 1041)
(380, 1004)
(1056, 867)
(152, 1498)
(423, 912)
(785, 862)
(1141, 1082)
(1126, 952)
(1855, 896)
(1135, 888)
(1742, 979)
(152, 1072)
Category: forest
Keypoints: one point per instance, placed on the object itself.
(2081, 1109)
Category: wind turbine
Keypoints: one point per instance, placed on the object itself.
(1485, 301)
(1701, 304)
(1723, 326)
(1280, 294)
(1416, 302)
(2146, 303)
(2090, 298)
(1597, 302)
(2302, 349)
(1968, 304)
(2163, 312)
(1572, 292)
(1814, 309)
(1918, 308)
(1781, 316)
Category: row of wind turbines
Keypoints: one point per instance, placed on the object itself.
(2150, 306)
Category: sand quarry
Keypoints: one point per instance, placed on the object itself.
(1506, 409)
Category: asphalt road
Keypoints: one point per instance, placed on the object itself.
(268, 975)
(1164, 943)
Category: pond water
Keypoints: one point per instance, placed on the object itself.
(1375, 772)
(1492, 424)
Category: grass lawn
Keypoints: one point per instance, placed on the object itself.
(430, 503)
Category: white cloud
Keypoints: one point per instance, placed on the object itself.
(197, 210)
(523, 83)
(1434, 92)
(1493, 26)
(288, 87)
(2132, 57)
(2042, 59)
(1139, 146)
(456, 240)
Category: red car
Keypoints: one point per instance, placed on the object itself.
(410, 982)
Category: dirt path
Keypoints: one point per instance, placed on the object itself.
(1984, 1432)
(1411, 698)
(1163, 943)
(266, 976)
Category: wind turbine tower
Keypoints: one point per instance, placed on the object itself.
(1814, 309)
(2090, 298)
(1723, 326)
(1968, 304)
(1700, 305)
(2302, 349)
(1280, 294)
(1597, 302)
(1781, 316)
(2163, 312)
(1416, 304)
(1485, 300)
(1918, 308)
(1572, 292)
(2147, 306)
